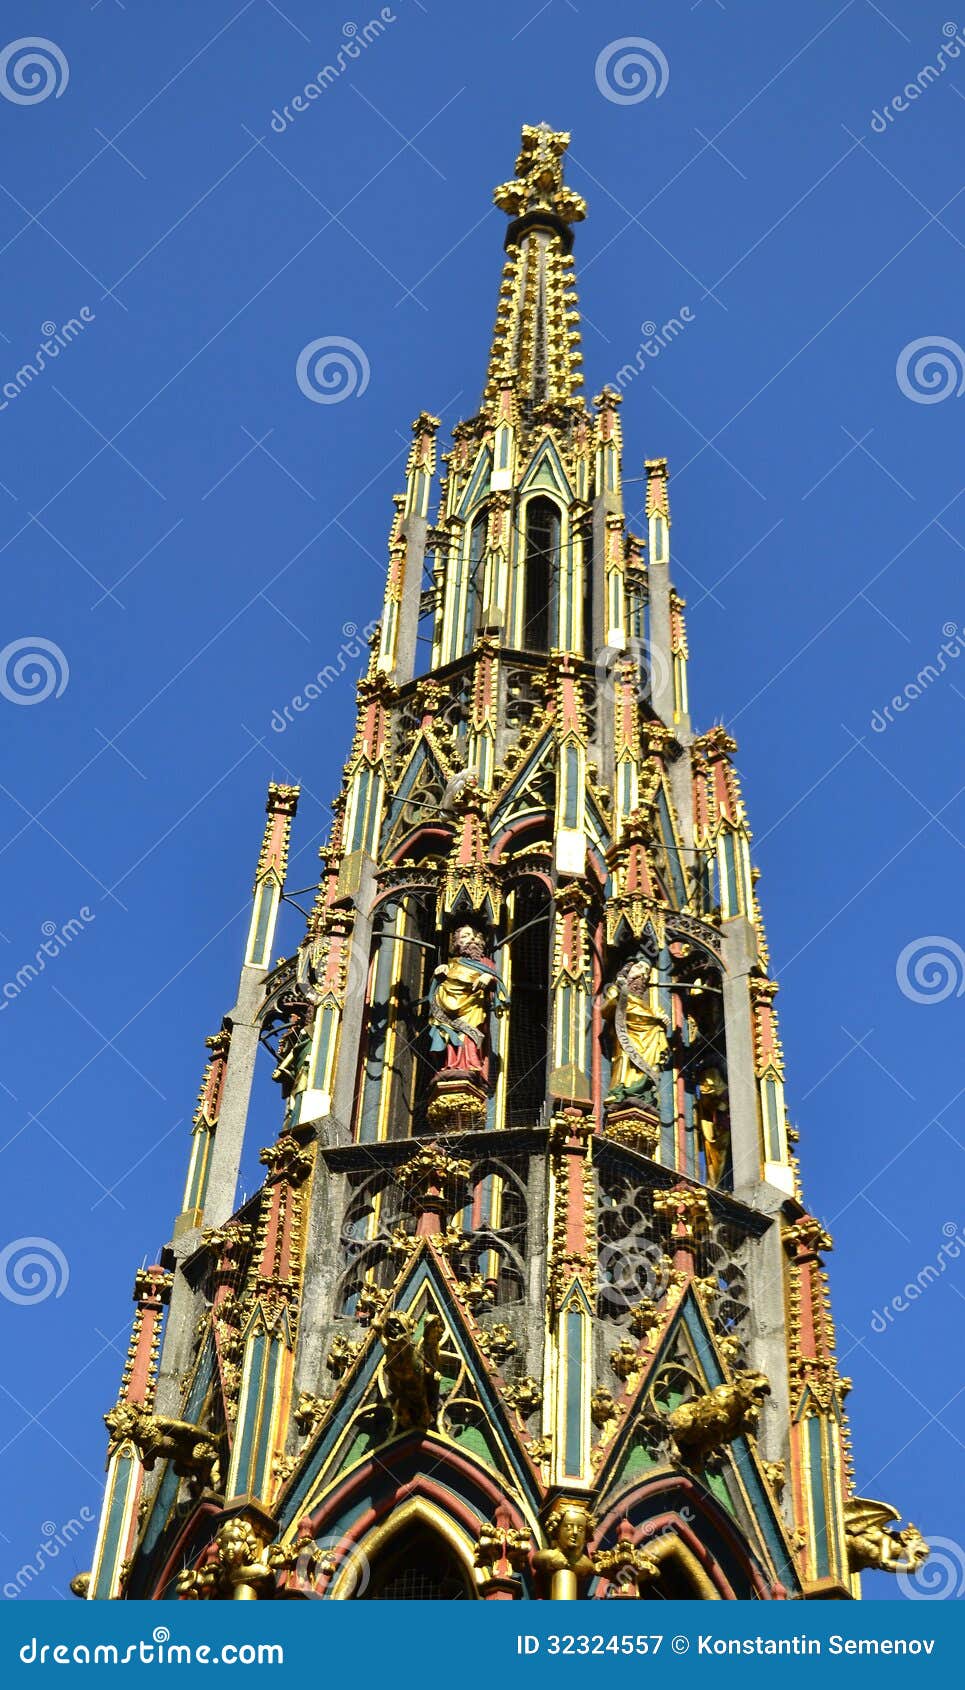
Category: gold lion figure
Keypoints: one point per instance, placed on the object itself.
(411, 1376)
(725, 1413)
(193, 1451)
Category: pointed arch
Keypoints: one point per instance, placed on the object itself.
(526, 966)
(541, 562)
(394, 1063)
(475, 576)
(420, 1476)
(692, 1537)
(413, 1527)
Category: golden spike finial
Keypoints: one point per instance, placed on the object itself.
(537, 324)
(538, 185)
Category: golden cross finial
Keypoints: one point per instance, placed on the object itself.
(538, 184)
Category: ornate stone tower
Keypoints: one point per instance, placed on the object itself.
(529, 1304)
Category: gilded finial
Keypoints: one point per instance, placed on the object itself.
(538, 187)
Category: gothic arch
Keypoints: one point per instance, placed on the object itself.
(424, 844)
(394, 1066)
(525, 1063)
(541, 539)
(377, 1545)
(525, 833)
(418, 1479)
(704, 1545)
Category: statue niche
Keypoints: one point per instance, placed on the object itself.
(639, 1049)
(465, 991)
(702, 1047)
(713, 1124)
(294, 1049)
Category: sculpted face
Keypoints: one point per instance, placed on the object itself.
(467, 941)
(571, 1534)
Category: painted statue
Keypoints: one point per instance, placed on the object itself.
(294, 1051)
(713, 1123)
(639, 1029)
(462, 993)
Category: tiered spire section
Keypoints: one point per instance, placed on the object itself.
(529, 1304)
(534, 350)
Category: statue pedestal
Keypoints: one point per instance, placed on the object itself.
(458, 1104)
(638, 1129)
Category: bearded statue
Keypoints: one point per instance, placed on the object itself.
(639, 1035)
(463, 992)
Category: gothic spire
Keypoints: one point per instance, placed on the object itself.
(537, 334)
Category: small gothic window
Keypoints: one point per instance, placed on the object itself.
(418, 1565)
(396, 1066)
(588, 590)
(542, 564)
(474, 588)
(529, 954)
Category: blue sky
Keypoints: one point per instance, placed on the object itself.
(192, 534)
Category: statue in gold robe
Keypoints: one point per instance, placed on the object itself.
(463, 992)
(639, 1033)
(713, 1123)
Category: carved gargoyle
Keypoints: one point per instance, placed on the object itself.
(193, 1451)
(871, 1542)
(729, 1411)
(411, 1374)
